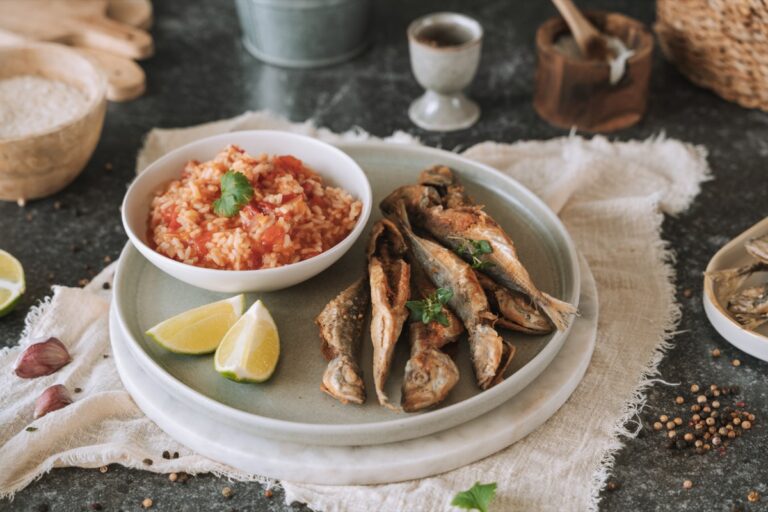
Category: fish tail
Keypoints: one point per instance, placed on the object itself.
(558, 311)
(730, 280)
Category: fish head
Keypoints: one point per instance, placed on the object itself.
(437, 176)
(415, 198)
(429, 377)
(343, 381)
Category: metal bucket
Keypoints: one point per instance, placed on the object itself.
(304, 33)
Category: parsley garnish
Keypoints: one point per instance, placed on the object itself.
(478, 497)
(431, 308)
(474, 249)
(236, 191)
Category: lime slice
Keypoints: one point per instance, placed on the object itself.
(250, 350)
(199, 330)
(11, 282)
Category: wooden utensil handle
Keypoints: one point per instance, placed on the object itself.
(104, 34)
(581, 28)
(125, 79)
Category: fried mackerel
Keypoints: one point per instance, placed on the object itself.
(341, 327)
(515, 309)
(465, 223)
(389, 276)
(490, 353)
(430, 374)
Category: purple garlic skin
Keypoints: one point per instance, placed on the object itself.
(43, 358)
(52, 399)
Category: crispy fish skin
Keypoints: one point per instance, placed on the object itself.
(453, 226)
(446, 270)
(341, 327)
(516, 312)
(430, 374)
(728, 281)
(441, 178)
(750, 306)
(389, 276)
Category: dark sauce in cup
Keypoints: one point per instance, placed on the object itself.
(444, 35)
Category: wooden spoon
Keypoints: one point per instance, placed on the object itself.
(590, 41)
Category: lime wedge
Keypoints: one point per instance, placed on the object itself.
(11, 282)
(250, 350)
(199, 330)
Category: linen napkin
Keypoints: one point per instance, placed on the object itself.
(611, 196)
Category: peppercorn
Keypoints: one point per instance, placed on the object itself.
(731, 434)
(694, 388)
(736, 362)
(658, 426)
(147, 503)
(663, 418)
(722, 431)
(670, 425)
(695, 408)
(751, 417)
(688, 437)
(736, 420)
(701, 399)
(699, 443)
(678, 421)
(716, 393)
(696, 417)
(671, 434)
(753, 496)
(612, 485)
(267, 493)
(687, 484)
(746, 425)
(712, 387)
(715, 352)
(103, 469)
(707, 409)
(226, 492)
(716, 440)
(707, 446)
(710, 421)
(173, 477)
(679, 400)
(715, 404)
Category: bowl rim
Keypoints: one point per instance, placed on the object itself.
(362, 220)
(100, 82)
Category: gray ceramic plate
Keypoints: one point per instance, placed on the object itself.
(291, 406)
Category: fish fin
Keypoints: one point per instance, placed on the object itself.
(558, 311)
(508, 352)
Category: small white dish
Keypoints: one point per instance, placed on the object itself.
(332, 164)
(733, 254)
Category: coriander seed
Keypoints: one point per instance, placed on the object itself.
(753, 496)
(688, 437)
(671, 434)
(736, 362)
(663, 418)
(746, 425)
(670, 425)
(710, 421)
(678, 421)
(694, 388)
(701, 399)
(226, 492)
(679, 400)
(658, 426)
(715, 352)
(173, 477)
(147, 503)
(687, 484)
(715, 404)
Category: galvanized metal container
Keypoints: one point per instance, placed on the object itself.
(304, 33)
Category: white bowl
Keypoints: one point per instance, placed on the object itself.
(733, 255)
(336, 168)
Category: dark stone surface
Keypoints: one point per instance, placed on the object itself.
(201, 73)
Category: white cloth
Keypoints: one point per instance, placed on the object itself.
(611, 196)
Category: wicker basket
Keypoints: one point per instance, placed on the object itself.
(719, 44)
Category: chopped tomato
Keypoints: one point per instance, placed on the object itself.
(255, 261)
(263, 206)
(288, 198)
(272, 235)
(289, 163)
(200, 242)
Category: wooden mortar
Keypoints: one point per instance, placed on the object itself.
(573, 92)
(41, 164)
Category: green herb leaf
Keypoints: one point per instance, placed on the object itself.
(478, 497)
(31, 429)
(474, 249)
(236, 192)
(431, 308)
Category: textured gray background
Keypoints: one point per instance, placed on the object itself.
(201, 72)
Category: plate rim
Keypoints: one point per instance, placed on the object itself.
(433, 420)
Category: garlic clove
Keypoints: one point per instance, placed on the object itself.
(52, 399)
(42, 358)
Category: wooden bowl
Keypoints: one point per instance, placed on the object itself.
(41, 164)
(577, 92)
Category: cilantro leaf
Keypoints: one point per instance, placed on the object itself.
(236, 192)
(478, 497)
(431, 308)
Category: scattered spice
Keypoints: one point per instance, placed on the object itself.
(147, 503)
(148, 462)
(166, 454)
(31, 429)
(736, 362)
(687, 293)
(21, 202)
(715, 352)
(104, 469)
(658, 426)
(173, 477)
(108, 166)
(679, 400)
(227, 492)
(175, 455)
(687, 484)
(83, 282)
(96, 506)
(753, 496)
(107, 259)
(612, 485)
(664, 418)
(694, 388)
(78, 390)
(106, 285)
(267, 493)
